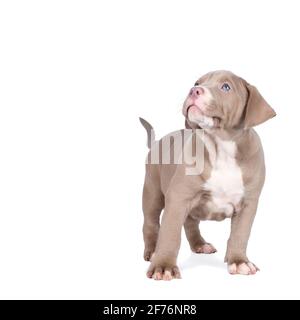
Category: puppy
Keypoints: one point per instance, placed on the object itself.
(221, 109)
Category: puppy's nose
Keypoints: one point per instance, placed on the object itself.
(196, 91)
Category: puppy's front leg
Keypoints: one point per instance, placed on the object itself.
(241, 224)
(163, 265)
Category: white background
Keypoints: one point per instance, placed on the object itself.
(74, 77)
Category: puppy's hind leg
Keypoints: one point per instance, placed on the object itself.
(196, 241)
(153, 203)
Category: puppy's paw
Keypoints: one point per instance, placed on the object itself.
(244, 268)
(161, 272)
(205, 248)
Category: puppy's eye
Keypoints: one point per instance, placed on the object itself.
(225, 87)
(196, 84)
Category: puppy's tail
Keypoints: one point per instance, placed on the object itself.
(150, 132)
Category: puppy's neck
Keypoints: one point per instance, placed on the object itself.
(227, 134)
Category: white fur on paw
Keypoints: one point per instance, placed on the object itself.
(243, 268)
(167, 275)
(157, 276)
(206, 248)
(232, 268)
(252, 267)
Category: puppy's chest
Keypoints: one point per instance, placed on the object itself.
(225, 183)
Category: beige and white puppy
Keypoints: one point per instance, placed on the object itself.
(226, 107)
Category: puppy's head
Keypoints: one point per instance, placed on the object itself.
(220, 99)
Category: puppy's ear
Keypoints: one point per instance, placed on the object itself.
(257, 109)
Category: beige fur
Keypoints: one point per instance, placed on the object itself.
(228, 187)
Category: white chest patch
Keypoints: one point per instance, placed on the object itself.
(226, 182)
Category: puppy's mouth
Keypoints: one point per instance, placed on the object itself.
(194, 106)
(214, 122)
